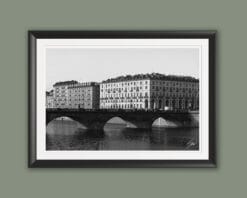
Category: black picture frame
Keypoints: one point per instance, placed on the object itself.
(33, 162)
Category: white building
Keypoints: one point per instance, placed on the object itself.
(124, 93)
(150, 91)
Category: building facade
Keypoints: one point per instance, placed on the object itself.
(124, 93)
(71, 94)
(50, 99)
(61, 93)
(84, 95)
(150, 91)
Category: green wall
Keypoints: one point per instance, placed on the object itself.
(228, 180)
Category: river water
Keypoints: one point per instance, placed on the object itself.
(70, 135)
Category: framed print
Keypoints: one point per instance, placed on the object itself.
(121, 99)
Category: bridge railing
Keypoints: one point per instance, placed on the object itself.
(117, 110)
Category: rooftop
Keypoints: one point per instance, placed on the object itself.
(152, 76)
(85, 84)
(71, 82)
(49, 93)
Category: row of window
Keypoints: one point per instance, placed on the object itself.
(172, 104)
(123, 83)
(79, 90)
(154, 88)
(123, 106)
(161, 94)
(78, 98)
(122, 100)
(124, 95)
(123, 89)
(168, 83)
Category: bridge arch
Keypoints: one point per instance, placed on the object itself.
(115, 120)
(164, 122)
(61, 117)
(64, 125)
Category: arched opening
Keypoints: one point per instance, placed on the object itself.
(115, 122)
(163, 123)
(114, 125)
(146, 104)
(63, 126)
(180, 104)
(152, 104)
(197, 104)
(189, 104)
(186, 104)
(160, 104)
(64, 133)
(173, 104)
(193, 104)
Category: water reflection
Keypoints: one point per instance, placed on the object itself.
(70, 135)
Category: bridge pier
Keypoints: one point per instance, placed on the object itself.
(138, 124)
(97, 126)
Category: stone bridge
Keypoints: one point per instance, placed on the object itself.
(96, 119)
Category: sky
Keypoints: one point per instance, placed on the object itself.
(85, 65)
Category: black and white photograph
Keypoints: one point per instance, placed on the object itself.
(123, 98)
